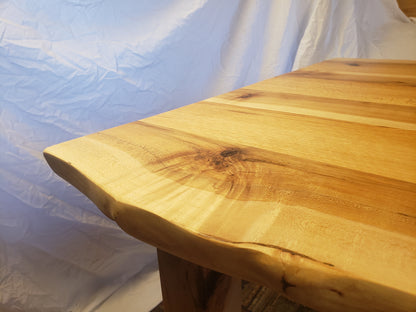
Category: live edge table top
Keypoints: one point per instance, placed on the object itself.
(305, 183)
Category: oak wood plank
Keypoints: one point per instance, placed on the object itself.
(322, 138)
(305, 183)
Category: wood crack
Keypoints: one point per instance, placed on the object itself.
(282, 249)
(286, 284)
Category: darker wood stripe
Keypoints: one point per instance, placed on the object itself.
(373, 79)
(391, 112)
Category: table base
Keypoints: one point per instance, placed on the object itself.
(189, 287)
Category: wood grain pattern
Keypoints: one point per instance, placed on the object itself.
(190, 287)
(305, 183)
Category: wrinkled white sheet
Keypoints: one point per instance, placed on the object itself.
(73, 67)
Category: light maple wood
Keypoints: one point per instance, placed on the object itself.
(304, 183)
(189, 287)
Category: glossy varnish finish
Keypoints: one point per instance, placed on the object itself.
(304, 183)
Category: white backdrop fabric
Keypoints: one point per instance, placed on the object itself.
(74, 67)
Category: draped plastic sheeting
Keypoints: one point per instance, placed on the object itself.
(73, 67)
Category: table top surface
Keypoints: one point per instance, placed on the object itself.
(305, 182)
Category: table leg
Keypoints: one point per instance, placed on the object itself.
(189, 287)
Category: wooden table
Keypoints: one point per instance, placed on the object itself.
(304, 183)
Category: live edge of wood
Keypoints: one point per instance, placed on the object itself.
(304, 183)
